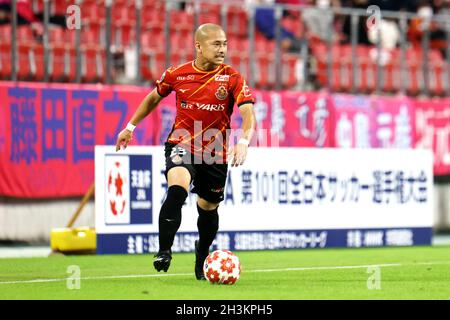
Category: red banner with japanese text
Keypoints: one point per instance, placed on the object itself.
(48, 133)
(432, 126)
(373, 122)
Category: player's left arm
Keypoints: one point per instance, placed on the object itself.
(239, 151)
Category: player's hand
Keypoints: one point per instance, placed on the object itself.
(238, 153)
(123, 138)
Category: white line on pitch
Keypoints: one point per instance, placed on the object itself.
(246, 271)
(328, 268)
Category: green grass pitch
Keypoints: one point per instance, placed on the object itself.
(404, 273)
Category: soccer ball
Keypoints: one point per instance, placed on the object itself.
(222, 267)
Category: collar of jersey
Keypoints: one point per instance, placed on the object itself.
(198, 70)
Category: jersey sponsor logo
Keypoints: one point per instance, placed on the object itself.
(189, 77)
(222, 77)
(184, 90)
(221, 93)
(203, 106)
(210, 106)
(185, 105)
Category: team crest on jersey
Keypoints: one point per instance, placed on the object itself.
(222, 93)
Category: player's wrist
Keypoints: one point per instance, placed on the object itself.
(244, 141)
(130, 127)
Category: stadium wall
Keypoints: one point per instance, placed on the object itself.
(48, 133)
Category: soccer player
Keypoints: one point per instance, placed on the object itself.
(196, 149)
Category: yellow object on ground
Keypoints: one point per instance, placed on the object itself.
(73, 239)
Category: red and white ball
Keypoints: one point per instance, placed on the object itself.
(222, 267)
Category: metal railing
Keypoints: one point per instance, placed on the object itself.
(304, 54)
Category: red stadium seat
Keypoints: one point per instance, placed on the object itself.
(289, 67)
(152, 22)
(153, 41)
(92, 10)
(209, 18)
(123, 12)
(60, 7)
(5, 60)
(57, 55)
(181, 21)
(93, 60)
(25, 34)
(153, 5)
(345, 74)
(62, 62)
(240, 61)
(263, 75)
(146, 68)
(236, 44)
(415, 77)
(57, 35)
(153, 63)
(5, 33)
(262, 45)
(23, 65)
(123, 34)
(96, 30)
(237, 22)
(37, 62)
(180, 42)
(210, 8)
(437, 77)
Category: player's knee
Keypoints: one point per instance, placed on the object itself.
(176, 196)
(179, 176)
(206, 205)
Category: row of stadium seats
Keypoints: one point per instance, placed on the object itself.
(62, 52)
(123, 34)
(391, 73)
(62, 64)
(59, 7)
(264, 76)
(123, 12)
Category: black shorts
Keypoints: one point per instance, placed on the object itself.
(208, 179)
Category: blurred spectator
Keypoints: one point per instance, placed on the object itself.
(389, 34)
(423, 22)
(317, 20)
(395, 5)
(25, 15)
(438, 37)
(362, 37)
(441, 9)
(265, 23)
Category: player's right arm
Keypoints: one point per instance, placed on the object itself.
(148, 104)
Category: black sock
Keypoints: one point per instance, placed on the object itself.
(208, 225)
(170, 216)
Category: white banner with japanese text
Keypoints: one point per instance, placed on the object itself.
(280, 198)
